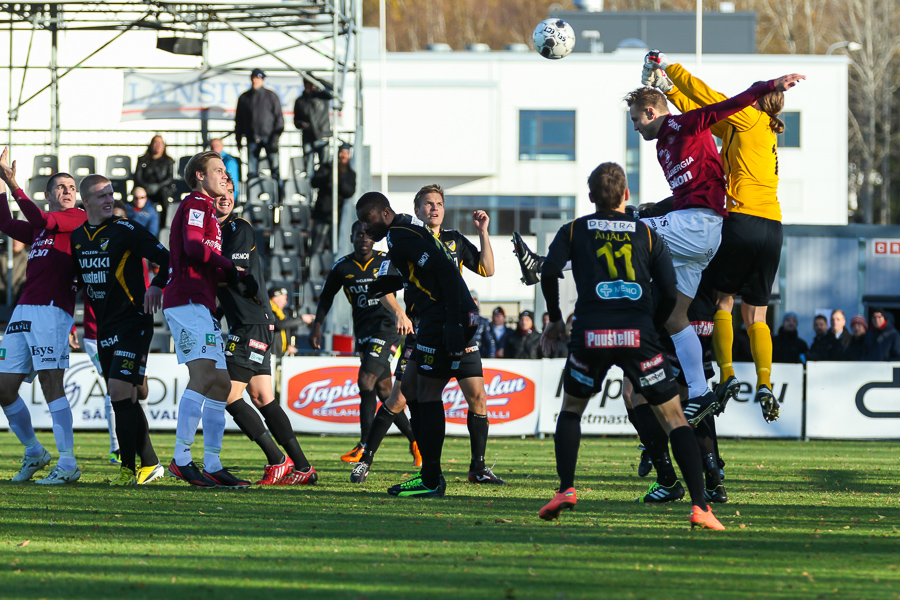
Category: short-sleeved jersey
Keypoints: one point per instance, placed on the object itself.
(192, 279)
(239, 245)
(50, 272)
(369, 315)
(463, 252)
(749, 147)
(614, 259)
(688, 156)
(109, 264)
(434, 286)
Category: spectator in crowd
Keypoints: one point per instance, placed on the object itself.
(311, 119)
(856, 348)
(259, 119)
(822, 347)
(787, 345)
(524, 342)
(545, 319)
(740, 351)
(322, 211)
(232, 164)
(142, 211)
(155, 173)
(561, 349)
(285, 321)
(20, 259)
(486, 345)
(500, 331)
(840, 333)
(882, 339)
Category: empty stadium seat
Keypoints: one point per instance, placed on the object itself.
(118, 167)
(297, 191)
(288, 241)
(263, 190)
(82, 165)
(286, 268)
(258, 214)
(182, 163)
(37, 187)
(295, 215)
(45, 165)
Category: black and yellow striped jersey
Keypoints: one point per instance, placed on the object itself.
(369, 315)
(109, 264)
(463, 252)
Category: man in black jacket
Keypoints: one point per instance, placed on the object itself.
(323, 210)
(787, 345)
(311, 118)
(259, 119)
(882, 339)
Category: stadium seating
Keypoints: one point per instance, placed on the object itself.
(82, 165)
(258, 214)
(45, 165)
(294, 214)
(288, 241)
(118, 171)
(182, 163)
(262, 190)
(37, 187)
(286, 268)
(297, 191)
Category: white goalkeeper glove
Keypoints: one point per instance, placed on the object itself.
(658, 58)
(653, 77)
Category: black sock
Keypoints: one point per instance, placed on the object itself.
(478, 435)
(280, 426)
(126, 430)
(633, 420)
(252, 426)
(415, 420)
(368, 400)
(706, 442)
(380, 426)
(687, 455)
(431, 442)
(144, 446)
(403, 424)
(566, 442)
(657, 444)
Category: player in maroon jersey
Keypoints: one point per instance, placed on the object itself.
(37, 337)
(189, 304)
(690, 223)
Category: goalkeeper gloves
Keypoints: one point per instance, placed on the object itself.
(658, 58)
(654, 77)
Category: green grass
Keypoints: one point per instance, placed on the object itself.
(806, 520)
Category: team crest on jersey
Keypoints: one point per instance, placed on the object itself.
(195, 217)
(104, 244)
(383, 269)
(452, 245)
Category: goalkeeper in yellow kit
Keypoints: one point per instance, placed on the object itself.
(750, 253)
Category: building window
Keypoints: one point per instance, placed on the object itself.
(507, 213)
(791, 136)
(633, 160)
(546, 135)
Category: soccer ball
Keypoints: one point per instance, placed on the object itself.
(554, 38)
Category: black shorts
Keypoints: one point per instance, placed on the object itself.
(248, 351)
(376, 352)
(748, 258)
(406, 354)
(122, 350)
(637, 351)
(433, 360)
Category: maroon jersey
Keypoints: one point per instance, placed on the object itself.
(50, 271)
(195, 254)
(688, 155)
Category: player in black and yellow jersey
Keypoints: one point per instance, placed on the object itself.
(429, 209)
(748, 258)
(614, 258)
(377, 326)
(108, 253)
(248, 351)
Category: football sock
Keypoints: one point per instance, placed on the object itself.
(111, 424)
(414, 419)
(478, 435)
(687, 455)
(249, 422)
(403, 424)
(761, 349)
(368, 401)
(566, 443)
(723, 340)
(20, 424)
(690, 355)
(213, 431)
(190, 410)
(144, 446)
(280, 426)
(61, 415)
(380, 426)
(631, 420)
(431, 441)
(705, 435)
(126, 427)
(657, 444)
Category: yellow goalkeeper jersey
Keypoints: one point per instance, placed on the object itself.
(749, 147)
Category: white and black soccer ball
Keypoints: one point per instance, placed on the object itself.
(554, 38)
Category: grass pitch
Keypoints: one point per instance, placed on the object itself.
(805, 520)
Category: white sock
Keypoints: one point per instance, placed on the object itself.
(61, 415)
(111, 425)
(690, 355)
(190, 409)
(213, 431)
(20, 424)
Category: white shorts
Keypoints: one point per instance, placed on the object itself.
(36, 339)
(196, 333)
(692, 236)
(90, 348)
